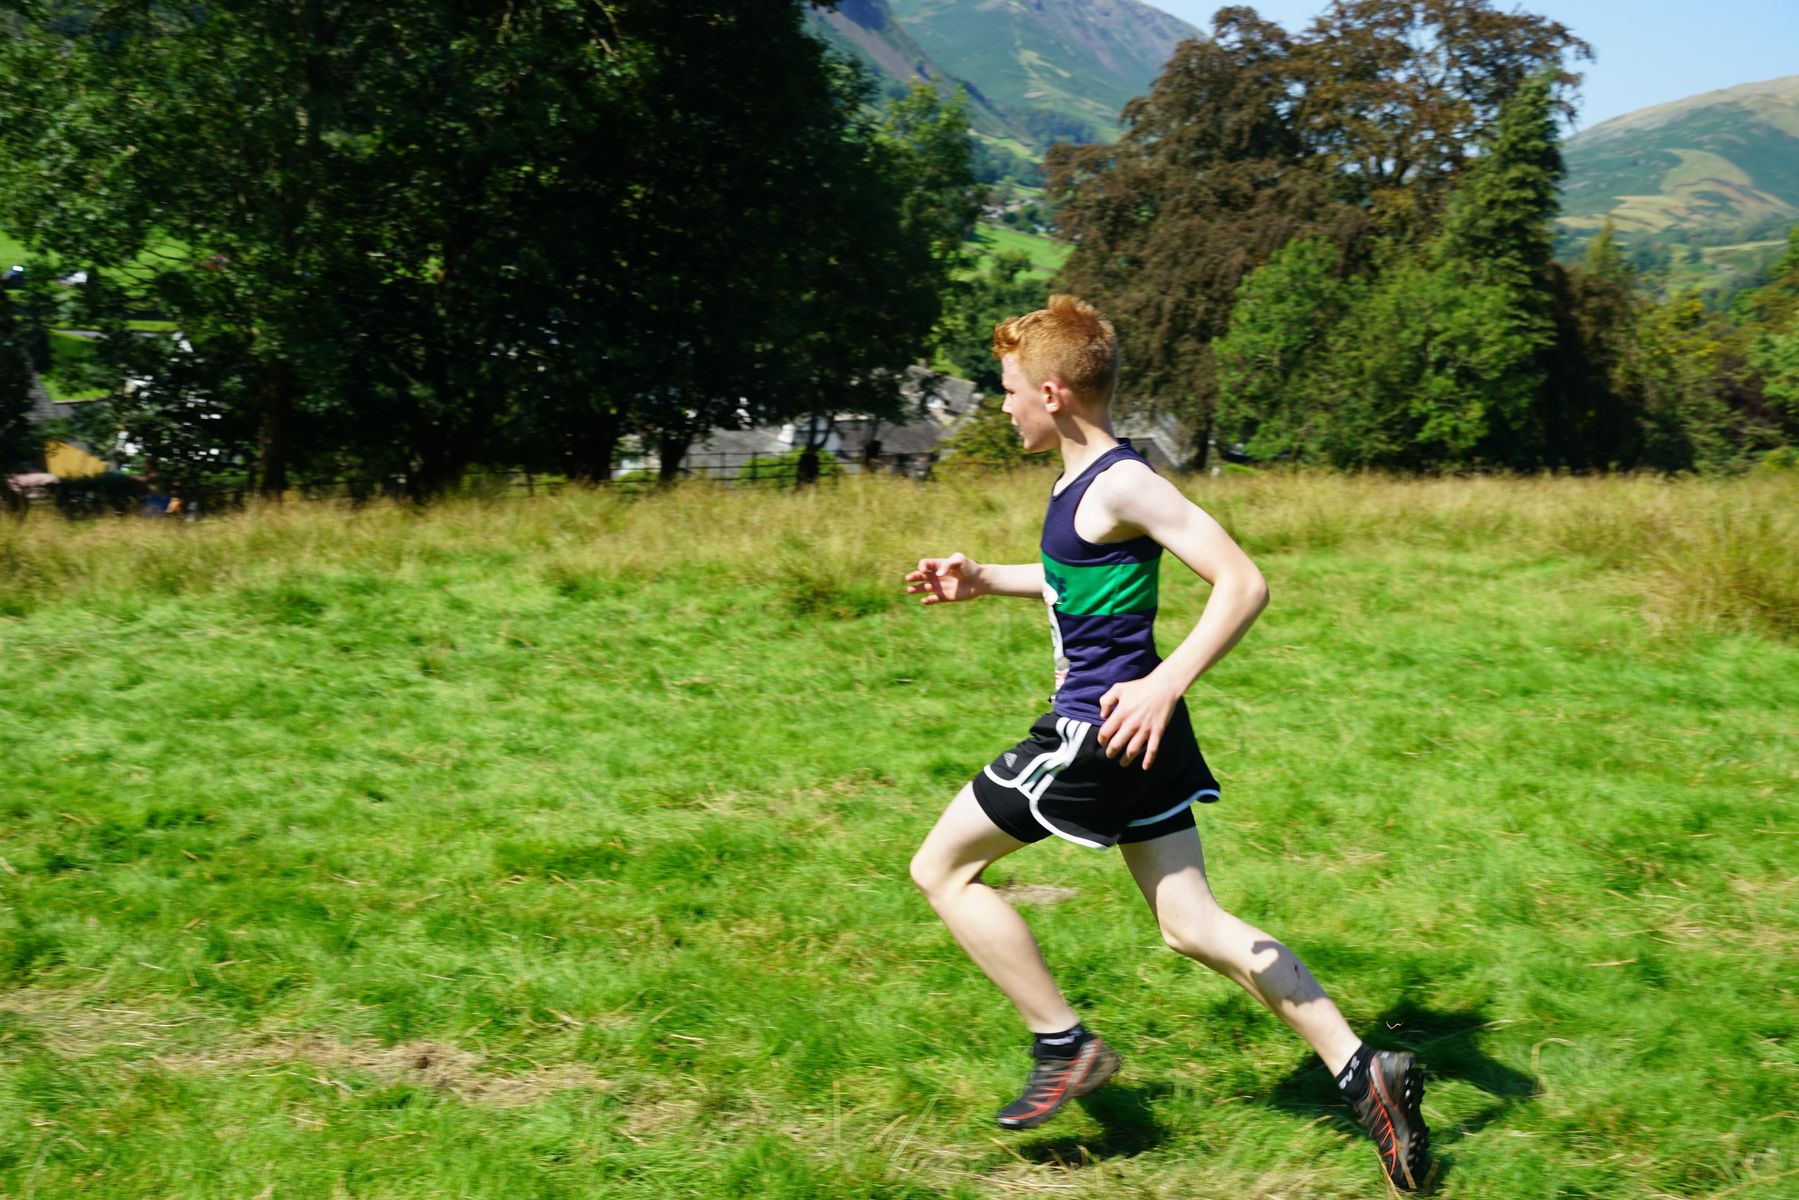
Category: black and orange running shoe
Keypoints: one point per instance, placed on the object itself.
(1056, 1081)
(1390, 1110)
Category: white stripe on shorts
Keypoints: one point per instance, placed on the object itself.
(1187, 803)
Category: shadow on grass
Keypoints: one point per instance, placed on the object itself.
(1446, 1046)
(1128, 1127)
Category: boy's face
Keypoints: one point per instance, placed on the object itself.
(1027, 406)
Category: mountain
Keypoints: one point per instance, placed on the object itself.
(1714, 175)
(1037, 71)
(1059, 69)
(869, 31)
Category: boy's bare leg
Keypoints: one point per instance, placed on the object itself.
(1171, 872)
(947, 869)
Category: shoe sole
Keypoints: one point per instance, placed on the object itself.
(1106, 1063)
(1410, 1124)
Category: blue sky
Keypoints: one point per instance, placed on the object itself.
(1647, 51)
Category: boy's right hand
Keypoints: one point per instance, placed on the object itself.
(942, 580)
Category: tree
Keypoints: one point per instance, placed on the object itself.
(1394, 94)
(1209, 179)
(1596, 413)
(1497, 235)
(1359, 125)
(1771, 317)
(410, 238)
(883, 247)
(1286, 312)
(234, 207)
(1676, 360)
(1443, 361)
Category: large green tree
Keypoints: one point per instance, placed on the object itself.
(1495, 245)
(403, 239)
(1397, 95)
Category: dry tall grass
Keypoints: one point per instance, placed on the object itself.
(1700, 552)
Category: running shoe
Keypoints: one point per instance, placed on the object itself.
(1056, 1081)
(1390, 1112)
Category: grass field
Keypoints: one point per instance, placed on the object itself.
(1046, 254)
(557, 848)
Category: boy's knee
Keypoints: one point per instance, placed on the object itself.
(1194, 937)
(927, 876)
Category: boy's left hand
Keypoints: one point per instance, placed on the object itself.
(1136, 713)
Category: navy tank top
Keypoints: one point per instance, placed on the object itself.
(1101, 598)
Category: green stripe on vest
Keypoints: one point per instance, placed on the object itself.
(1103, 590)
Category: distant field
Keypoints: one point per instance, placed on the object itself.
(1047, 254)
(557, 849)
(12, 251)
(69, 354)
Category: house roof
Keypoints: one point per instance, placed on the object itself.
(747, 442)
(43, 408)
(915, 437)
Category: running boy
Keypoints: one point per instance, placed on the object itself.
(1116, 762)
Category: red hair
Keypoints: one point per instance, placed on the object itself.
(1068, 340)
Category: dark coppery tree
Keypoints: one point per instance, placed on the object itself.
(1395, 96)
(1209, 179)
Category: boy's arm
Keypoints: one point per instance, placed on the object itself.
(960, 577)
(1136, 712)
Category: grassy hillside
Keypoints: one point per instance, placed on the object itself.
(869, 32)
(1708, 172)
(1047, 254)
(557, 849)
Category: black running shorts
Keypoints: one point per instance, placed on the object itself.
(1060, 781)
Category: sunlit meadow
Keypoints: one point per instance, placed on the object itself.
(556, 848)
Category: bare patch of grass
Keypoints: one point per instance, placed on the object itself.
(1036, 893)
(438, 1066)
(72, 1027)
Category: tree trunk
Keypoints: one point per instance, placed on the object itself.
(437, 465)
(592, 449)
(272, 442)
(671, 450)
(817, 434)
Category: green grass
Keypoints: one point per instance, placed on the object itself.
(1046, 254)
(557, 848)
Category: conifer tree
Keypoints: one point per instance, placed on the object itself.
(1496, 234)
(1593, 409)
(1443, 362)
